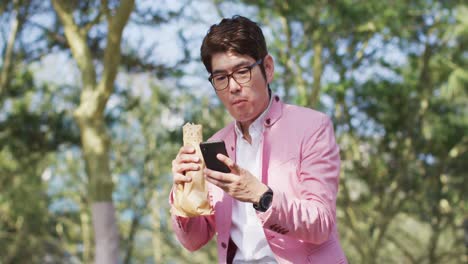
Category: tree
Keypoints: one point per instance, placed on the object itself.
(90, 113)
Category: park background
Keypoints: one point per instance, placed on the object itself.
(93, 95)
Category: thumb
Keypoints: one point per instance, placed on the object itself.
(229, 162)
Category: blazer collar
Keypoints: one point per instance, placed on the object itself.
(275, 112)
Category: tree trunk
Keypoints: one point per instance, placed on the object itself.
(86, 234)
(156, 223)
(318, 70)
(465, 229)
(105, 232)
(5, 74)
(285, 58)
(95, 146)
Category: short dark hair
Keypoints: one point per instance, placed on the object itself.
(238, 35)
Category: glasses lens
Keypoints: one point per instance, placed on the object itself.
(220, 81)
(242, 75)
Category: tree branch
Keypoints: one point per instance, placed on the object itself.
(112, 52)
(77, 41)
(16, 24)
(105, 8)
(61, 39)
(317, 71)
(91, 23)
(407, 253)
(285, 57)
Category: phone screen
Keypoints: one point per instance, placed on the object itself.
(209, 151)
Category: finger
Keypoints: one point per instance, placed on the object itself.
(184, 167)
(187, 150)
(218, 176)
(185, 158)
(216, 182)
(180, 178)
(186, 153)
(229, 162)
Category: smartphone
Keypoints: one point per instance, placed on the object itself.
(209, 151)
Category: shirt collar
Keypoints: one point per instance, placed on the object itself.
(257, 126)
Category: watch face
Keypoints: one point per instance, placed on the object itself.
(266, 201)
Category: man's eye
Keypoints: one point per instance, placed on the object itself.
(242, 71)
(219, 78)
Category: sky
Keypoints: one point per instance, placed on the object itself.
(166, 48)
(60, 69)
(163, 46)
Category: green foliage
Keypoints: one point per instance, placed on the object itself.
(31, 131)
(392, 76)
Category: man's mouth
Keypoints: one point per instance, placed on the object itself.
(238, 101)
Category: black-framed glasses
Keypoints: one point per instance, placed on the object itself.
(241, 76)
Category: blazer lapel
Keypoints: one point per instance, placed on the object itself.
(275, 113)
(225, 216)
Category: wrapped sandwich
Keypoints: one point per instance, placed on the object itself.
(191, 198)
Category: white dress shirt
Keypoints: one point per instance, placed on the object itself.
(247, 232)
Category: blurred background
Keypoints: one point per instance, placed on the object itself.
(93, 95)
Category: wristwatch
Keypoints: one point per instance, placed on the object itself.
(265, 201)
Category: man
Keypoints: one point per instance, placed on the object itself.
(278, 203)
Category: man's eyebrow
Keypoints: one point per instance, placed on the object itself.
(237, 66)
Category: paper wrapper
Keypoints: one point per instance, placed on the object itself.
(191, 198)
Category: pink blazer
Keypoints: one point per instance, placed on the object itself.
(301, 164)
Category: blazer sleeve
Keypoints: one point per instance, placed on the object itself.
(192, 232)
(310, 215)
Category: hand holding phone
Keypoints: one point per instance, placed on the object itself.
(209, 151)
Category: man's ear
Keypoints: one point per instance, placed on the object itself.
(269, 65)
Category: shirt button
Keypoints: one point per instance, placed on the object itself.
(223, 245)
(268, 121)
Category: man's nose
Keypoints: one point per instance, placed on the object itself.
(233, 85)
